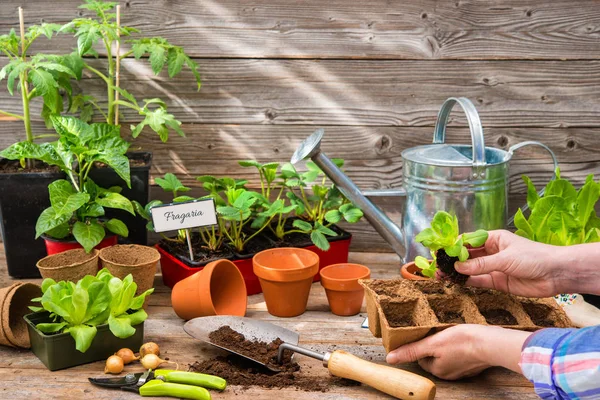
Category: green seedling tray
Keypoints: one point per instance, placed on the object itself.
(58, 351)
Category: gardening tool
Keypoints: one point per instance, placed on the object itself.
(164, 382)
(470, 181)
(393, 381)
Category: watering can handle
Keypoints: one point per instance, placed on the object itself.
(439, 133)
(516, 147)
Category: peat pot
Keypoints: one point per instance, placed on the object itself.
(470, 181)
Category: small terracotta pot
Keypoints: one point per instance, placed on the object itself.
(14, 304)
(70, 265)
(285, 275)
(139, 261)
(217, 289)
(408, 271)
(54, 246)
(344, 294)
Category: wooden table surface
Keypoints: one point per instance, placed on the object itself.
(23, 376)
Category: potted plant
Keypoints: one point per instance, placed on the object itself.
(563, 216)
(251, 221)
(102, 29)
(77, 205)
(87, 321)
(447, 246)
(38, 77)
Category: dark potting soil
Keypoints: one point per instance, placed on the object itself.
(255, 245)
(449, 317)
(201, 254)
(12, 166)
(539, 314)
(498, 316)
(446, 265)
(242, 372)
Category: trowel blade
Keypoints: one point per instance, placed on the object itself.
(200, 328)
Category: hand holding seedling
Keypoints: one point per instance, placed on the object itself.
(525, 268)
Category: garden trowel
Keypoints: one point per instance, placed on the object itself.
(393, 381)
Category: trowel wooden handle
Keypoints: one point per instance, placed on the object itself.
(393, 381)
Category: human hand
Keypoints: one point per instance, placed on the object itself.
(514, 265)
(464, 350)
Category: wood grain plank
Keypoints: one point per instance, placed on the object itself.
(522, 94)
(424, 29)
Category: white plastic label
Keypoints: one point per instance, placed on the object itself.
(191, 214)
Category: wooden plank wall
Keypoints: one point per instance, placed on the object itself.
(373, 74)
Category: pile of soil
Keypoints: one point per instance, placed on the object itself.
(446, 265)
(239, 371)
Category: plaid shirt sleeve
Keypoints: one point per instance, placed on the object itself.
(563, 363)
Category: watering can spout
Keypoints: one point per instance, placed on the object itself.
(310, 148)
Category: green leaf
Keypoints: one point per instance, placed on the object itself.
(115, 200)
(523, 226)
(170, 183)
(475, 239)
(532, 195)
(60, 232)
(333, 216)
(157, 58)
(139, 316)
(181, 199)
(249, 163)
(464, 254)
(302, 225)
(120, 326)
(175, 61)
(586, 200)
(88, 235)
(319, 240)
(49, 220)
(353, 214)
(51, 327)
(422, 262)
(119, 163)
(83, 336)
(70, 204)
(117, 227)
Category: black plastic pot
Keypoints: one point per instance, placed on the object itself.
(140, 191)
(23, 197)
(58, 351)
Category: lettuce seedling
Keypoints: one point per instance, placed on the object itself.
(447, 246)
(563, 216)
(78, 308)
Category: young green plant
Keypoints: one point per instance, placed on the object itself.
(78, 308)
(77, 204)
(447, 246)
(103, 29)
(563, 216)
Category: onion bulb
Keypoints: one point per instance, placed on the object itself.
(149, 348)
(114, 365)
(127, 355)
(152, 361)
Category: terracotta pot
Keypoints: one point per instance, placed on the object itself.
(14, 304)
(217, 289)
(139, 261)
(408, 271)
(344, 294)
(70, 265)
(285, 275)
(54, 246)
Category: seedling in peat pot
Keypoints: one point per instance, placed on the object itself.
(447, 246)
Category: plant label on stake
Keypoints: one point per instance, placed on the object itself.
(186, 215)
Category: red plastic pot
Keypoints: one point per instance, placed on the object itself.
(173, 270)
(54, 246)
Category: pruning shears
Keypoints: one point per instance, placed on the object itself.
(165, 382)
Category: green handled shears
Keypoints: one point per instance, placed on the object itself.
(165, 382)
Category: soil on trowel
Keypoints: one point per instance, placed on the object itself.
(498, 316)
(539, 314)
(239, 371)
(446, 265)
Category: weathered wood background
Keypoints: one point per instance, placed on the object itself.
(373, 74)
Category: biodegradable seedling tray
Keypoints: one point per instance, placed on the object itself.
(403, 311)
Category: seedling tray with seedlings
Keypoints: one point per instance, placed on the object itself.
(403, 311)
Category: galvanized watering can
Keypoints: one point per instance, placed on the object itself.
(470, 181)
